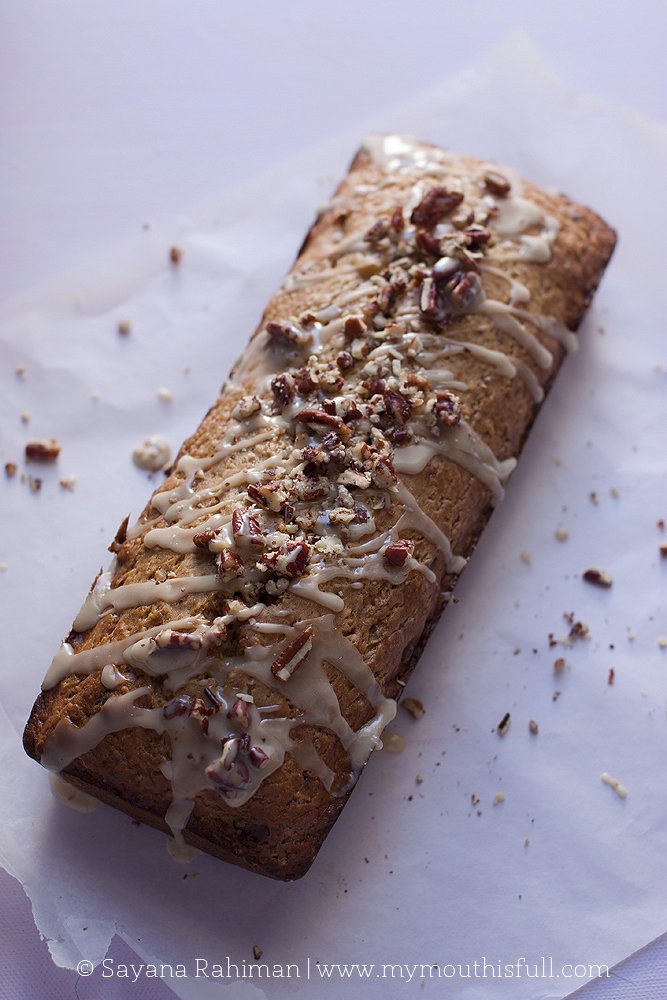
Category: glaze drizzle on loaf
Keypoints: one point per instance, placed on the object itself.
(302, 495)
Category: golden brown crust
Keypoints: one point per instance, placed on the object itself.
(388, 624)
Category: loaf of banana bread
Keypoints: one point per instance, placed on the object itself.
(227, 679)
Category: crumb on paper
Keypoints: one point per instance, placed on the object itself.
(555, 696)
(419, 779)
(532, 725)
(175, 255)
(562, 534)
(166, 395)
(3, 566)
(663, 551)
(559, 664)
(614, 493)
(393, 743)
(25, 416)
(610, 678)
(11, 468)
(43, 450)
(21, 371)
(527, 557)
(413, 706)
(662, 641)
(593, 497)
(615, 784)
(257, 952)
(68, 482)
(95, 394)
(504, 724)
(661, 525)
(498, 797)
(153, 454)
(557, 461)
(35, 484)
(526, 842)
(600, 577)
(124, 326)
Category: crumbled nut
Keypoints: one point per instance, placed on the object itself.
(579, 630)
(175, 255)
(593, 497)
(504, 724)
(399, 552)
(663, 551)
(293, 655)
(496, 183)
(532, 725)
(526, 556)
(344, 360)
(246, 407)
(68, 482)
(397, 220)
(246, 529)
(282, 387)
(662, 641)
(497, 798)
(428, 245)
(21, 371)
(229, 565)
(598, 576)
(392, 742)
(378, 231)
(153, 454)
(614, 492)
(124, 326)
(447, 408)
(257, 952)
(562, 534)
(413, 706)
(25, 416)
(464, 290)
(615, 784)
(202, 538)
(166, 395)
(11, 469)
(610, 678)
(42, 451)
(559, 664)
(322, 421)
(398, 407)
(434, 206)
(287, 333)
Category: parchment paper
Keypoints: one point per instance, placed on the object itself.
(414, 873)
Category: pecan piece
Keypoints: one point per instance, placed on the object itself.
(271, 495)
(231, 747)
(378, 231)
(293, 655)
(239, 712)
(383, 474)
(169, 638)
(397, 220)
(413, 706)
(344, 360)
(246, 529)
(428, 245)
(448, 409)
(320, 420)
(354, 328)
(445, 268)
(433, 206)
(177, 706)
(202, 538)
(246, 407)
(464, 290)
(258, 759)
(42, 451)
(397, 553)
(599, 576)
(496, 183)
(287, 333)
(230, 566)
(282, 387)
(399, 407)
(433, 304)
(291, 558)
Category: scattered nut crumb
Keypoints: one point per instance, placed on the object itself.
(3, 566)
(413, 706)
(21, 371)
(257, 952)
(661, 525)
(504, 724)
(42, 451)
(35, 484)
(663, 551)
(392, 742)
(562, 534)
(593, 497)
(11, 469)
(498, 797)
(25, 416)
(615, 784)
(559, 664)
(662, 641)
(419, 779)
(555, 696)
(152, 454)
(610, 678)
(67, 482)
(166, 395)
(175, 255)
(526, 556)
(124, 326)
(526, 842)
(598, 576)
(532, 725)
(95, 394)
(614, 492)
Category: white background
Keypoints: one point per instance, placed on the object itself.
(113, 115)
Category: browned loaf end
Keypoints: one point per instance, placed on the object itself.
(228, 678)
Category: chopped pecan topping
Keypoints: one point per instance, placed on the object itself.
(344, 361)
(306, 383)
(397, 220)
(399, 552)
(246, 529)
(169, 638)
(434, 206)
(463, 219)
(433, 304)
(398, 407)
(240, 712)
(231, 747)
(477, 237)
(386, 299)
(214, 697)
(177, 706)
(445, 268)
(246, 407)
(383, 475)
(272, 495)
(448, 409)
(230, 566)
(496, 183)
(354, 328)
(175, 255)
(428, 245)
(42, 451)
(464, 290)
(258, 759)
(402, 436)
(320, 420)
(287, 333)
(291, 558)
(293, 655)
(282, 387)
(378, 231)
(202, 538)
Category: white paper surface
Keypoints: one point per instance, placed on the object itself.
(411, 874)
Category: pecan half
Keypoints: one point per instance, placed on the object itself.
(434, 206)
(293, 655)
(399, 552)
